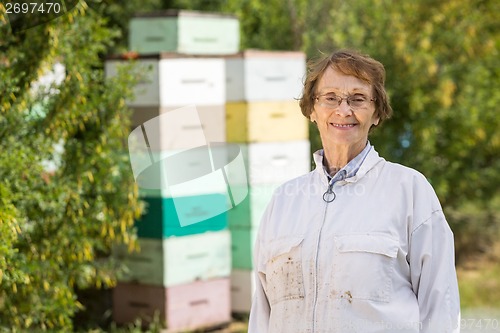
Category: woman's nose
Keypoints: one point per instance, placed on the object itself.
(344, 109)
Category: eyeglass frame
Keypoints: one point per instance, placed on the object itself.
(344, 98)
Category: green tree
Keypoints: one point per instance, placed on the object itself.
(58, 227)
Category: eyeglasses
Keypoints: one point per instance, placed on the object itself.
(332, 101)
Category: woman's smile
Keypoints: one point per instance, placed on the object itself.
(341, 126)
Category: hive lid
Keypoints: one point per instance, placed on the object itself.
(180, 13)
(159, 55)
(256, 53)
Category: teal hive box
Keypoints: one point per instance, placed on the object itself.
(242, 244)
(162, 218)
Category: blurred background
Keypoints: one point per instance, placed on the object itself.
(67, 192)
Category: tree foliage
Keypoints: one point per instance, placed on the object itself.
(58, 226)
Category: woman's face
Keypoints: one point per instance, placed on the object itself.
(343, 124)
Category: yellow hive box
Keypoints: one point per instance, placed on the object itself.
(265, 122)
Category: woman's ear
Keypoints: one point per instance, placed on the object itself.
(312, 117)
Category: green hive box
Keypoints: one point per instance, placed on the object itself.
(249, 212)
(162, 218)
(183, 31)
(242, 244)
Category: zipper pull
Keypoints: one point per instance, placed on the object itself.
(329, 195)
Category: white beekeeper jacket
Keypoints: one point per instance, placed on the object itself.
(378, 258)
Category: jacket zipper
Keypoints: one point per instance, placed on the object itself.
(315, 276)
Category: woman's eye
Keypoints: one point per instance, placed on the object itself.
(358, 98)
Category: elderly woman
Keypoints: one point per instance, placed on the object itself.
(359, 244)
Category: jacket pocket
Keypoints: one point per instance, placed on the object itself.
(363, 267)
(284, 278)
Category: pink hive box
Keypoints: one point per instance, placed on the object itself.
(196, 305)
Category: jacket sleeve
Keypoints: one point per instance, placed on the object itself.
(260, 311)
(433, 275)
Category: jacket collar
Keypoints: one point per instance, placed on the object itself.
(371, 159)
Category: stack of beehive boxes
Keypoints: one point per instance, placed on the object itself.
(182, 270)
(264, 118)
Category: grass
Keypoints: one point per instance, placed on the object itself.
(479, 281)
(236, 326)
(480, 288)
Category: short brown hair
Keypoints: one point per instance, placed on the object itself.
(347, 62)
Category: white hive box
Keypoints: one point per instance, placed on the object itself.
(174, 80)
(256, 75)
(184, 31)
(276, 162)
(211, 124)
(242, 290)
(178, 260)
